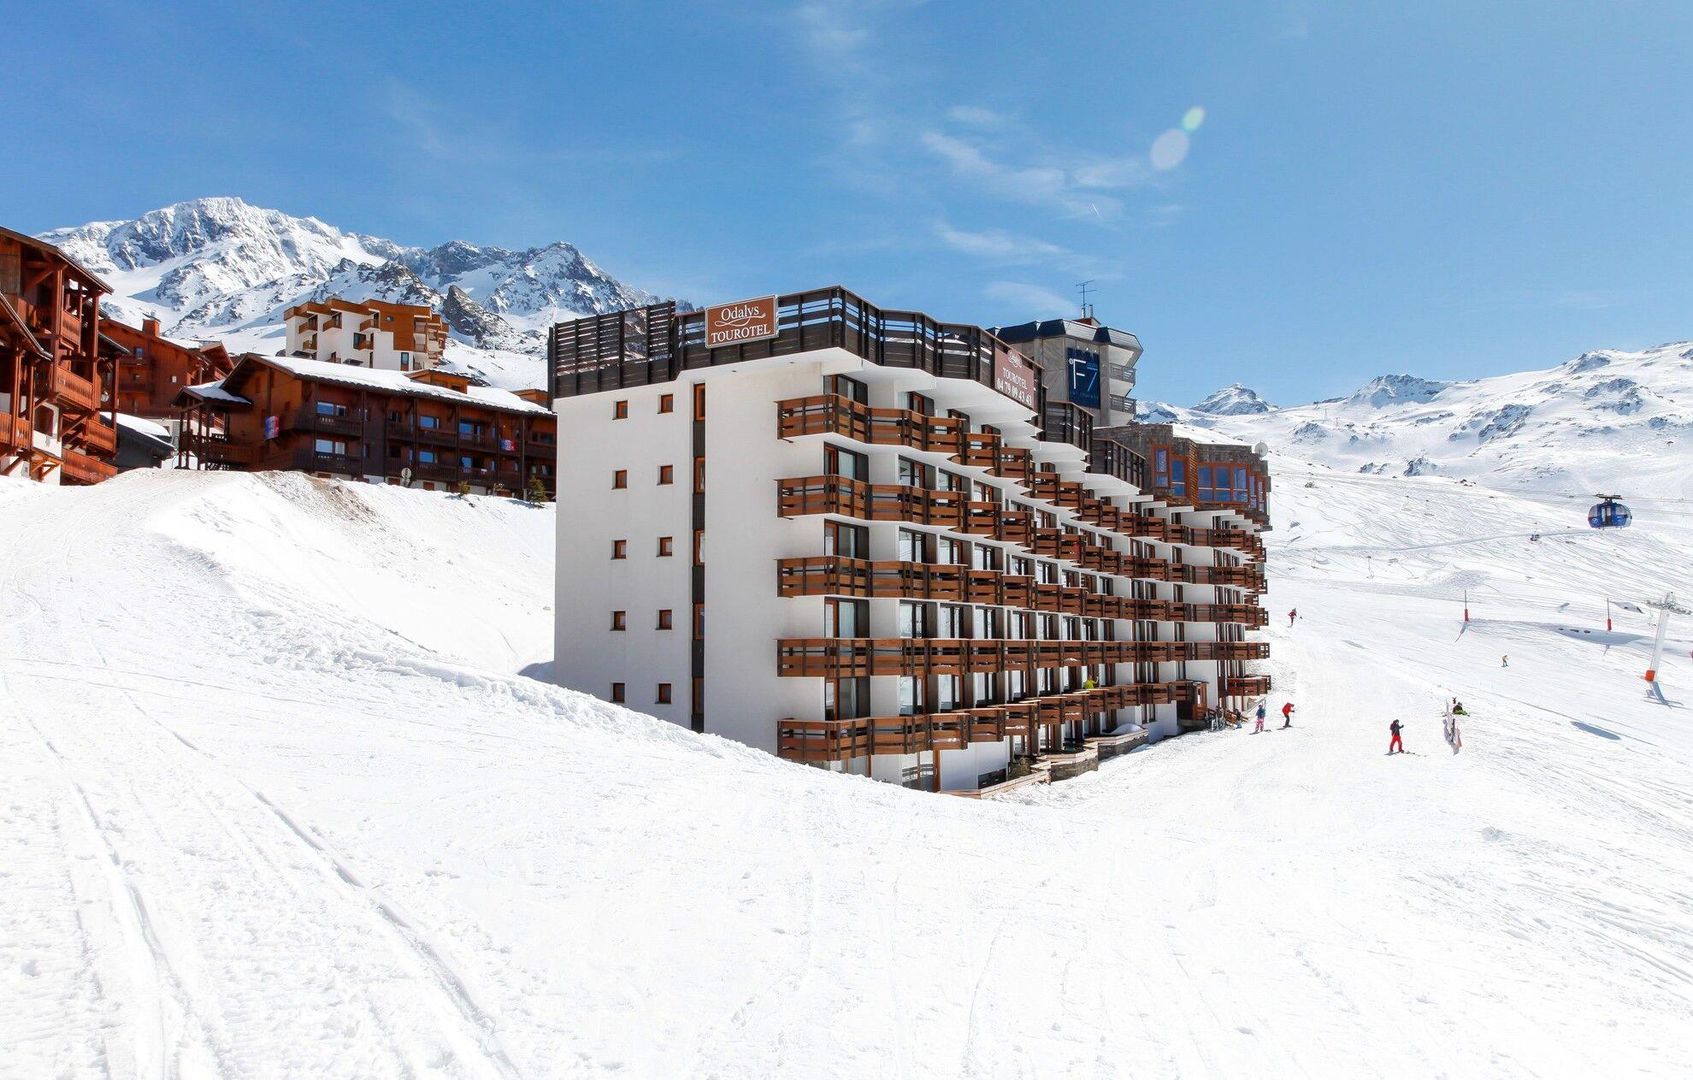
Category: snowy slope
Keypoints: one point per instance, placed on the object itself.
(1607, 419)
(279, 806)
(218, 268)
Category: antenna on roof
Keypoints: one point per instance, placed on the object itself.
(1087, 308)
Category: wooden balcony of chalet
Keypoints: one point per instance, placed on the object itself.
(417, 433)
(217, 452)
(312, 461)
(347, 425)
(80, 468)
(71, 391)
(99, 436)
(15, 431)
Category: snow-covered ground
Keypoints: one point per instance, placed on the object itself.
(279, 803)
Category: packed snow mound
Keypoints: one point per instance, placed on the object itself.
(1233, 400)
(221, 269)
(1606, 420)
(279, 804)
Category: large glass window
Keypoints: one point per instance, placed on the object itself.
(914, 620)
(850, 388)
(1178, 477)
(915, 474)
(911, 546)
(847, 541)
(846, 618)
(841, 462)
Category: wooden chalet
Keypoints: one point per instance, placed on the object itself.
(57, 409)
(153, 369)
(433, 428)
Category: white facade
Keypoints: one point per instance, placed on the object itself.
(388, 337)
(743, 697)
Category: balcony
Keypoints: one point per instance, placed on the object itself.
(73, 392)
(1067, 423)
(216, 451)
(831, 414)
(1245, 685)
(80, 468)
(433, 436)
(14, 430)
(657, 343)
(98, 437)
(850, 658)
(310, 420)
(820, 741)
(312, 461)
(871, 502)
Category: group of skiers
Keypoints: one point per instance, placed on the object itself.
(1287, 717)
(1449, 723)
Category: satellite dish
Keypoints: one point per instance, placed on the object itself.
(1261, 449)
(405, 474)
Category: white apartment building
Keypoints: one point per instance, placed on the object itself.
(367, 333)
(865, 540)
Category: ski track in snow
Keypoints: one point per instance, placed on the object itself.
(269, 813)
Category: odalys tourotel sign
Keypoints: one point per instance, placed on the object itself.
(1015, 377)
(740, 322)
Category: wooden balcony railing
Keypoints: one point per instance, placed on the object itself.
(844, 740)
(1245, 685)
(98, 437)
(71, 390)
(15, 430)
(832, 414)
(851, 658)
(312, 461)
(310, 420)
(80, 468)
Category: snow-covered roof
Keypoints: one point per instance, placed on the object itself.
(399, 382)
(144, 426)
(214, 391)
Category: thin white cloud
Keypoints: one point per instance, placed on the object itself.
(1034, 301)
(977, 117)
(998, 245)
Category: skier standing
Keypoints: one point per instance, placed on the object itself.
(1287, 715)
(1260, 725)
(1504, 661)
(1292, 615)
(1395, 744)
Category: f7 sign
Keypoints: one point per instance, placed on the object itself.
(738, 323)
(1084, 377)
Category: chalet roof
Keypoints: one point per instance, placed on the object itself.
(212, 391)
(9, 315)
(46, 248)
(146, 427)
(391, 382)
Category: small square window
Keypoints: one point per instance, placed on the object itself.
(664, 546)
(620, 479)
(666, 403)
(620, 549)
(618, 620)
(667, 474)
(620, 410)
(664, 618)
(663, 693)
(617, 693)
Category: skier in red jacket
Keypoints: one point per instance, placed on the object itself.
(1292, 615)
(1396, 743)
(1287, 715)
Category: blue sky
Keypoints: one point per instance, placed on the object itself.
(1447, 189)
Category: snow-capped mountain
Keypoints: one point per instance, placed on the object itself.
(1233, 400)
(1607, 419)
(221, 268)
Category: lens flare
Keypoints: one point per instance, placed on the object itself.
(1193, 118)
(1169, 150)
